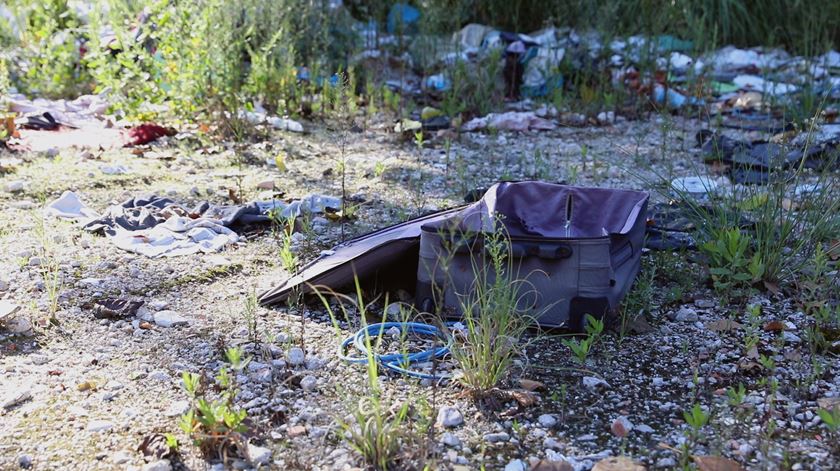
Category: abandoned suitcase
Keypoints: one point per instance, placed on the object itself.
(574, 250)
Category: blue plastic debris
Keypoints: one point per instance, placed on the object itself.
(673, 99)
(403, 18)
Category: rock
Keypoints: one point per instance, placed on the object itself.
(296, 431)
(266, 184)
(685, 314)
(35, 262)
(592, 382)
(169, 319)
(309, 383)
(113, 385)
(295, 356)
(7, 308)
(643, 428)
(259, 455)
(25, 461)
(4, 286)
(449, 417)
(497, 437)
(551, 443)
(177, 408)
(790, 337)
(547, 420)
(159, 375)
(450, 439)
(99, 426)
(704, 303)
(667, 462)
(16, 397)
(121, 457)
(621, 427)
(515, 465)
(14, 186)
(160, 465)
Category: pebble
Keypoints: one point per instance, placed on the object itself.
(551, 443)
(685, 314)
(450, 439)
(497, 437)
(160, 465)
(547, 420)
(667, 462)
(113, 385)
(621, 427)
(4, 285)
(99, 426)
(309, 383)
(259, 455)
(295, 356)
(592, 382)
(515, 465)
(169, 319)
(177, 408)
(449, 417)
(14, 186)
(159, 375)
(25, 461)
(121, 457)
(643, 428)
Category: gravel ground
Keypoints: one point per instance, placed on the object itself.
(83, 394)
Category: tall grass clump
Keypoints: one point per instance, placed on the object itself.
(766, 234)
(377, 427)
(494, 316)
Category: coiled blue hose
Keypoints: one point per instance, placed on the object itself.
(396, 361)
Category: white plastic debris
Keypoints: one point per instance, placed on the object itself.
(69, 206)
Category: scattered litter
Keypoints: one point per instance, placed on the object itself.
(115, 309)
(114, 169)
(16, 397)
(146, 133)
(510, 121)
(285, 124)
(698, 188)
(69, 206)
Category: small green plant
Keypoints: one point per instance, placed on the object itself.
(249, 312)
(831, 418)
(216, 426)
(580, 347)
(377, 430)
(494, 321)
(696, 418)
(288, 255)
(733, 267)
(48, 268)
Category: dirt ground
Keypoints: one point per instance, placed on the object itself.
(92, 389)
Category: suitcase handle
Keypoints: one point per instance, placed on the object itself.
(544, 250)
(518, 249)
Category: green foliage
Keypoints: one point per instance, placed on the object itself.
(580, 347)
(696, 417)
(378, 428)
(50, 40)
(216, 425)
(831, 418)
(733, 266)
(494, 319)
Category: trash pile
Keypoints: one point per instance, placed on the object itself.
(155, 226)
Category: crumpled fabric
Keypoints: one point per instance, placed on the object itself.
(155, 226)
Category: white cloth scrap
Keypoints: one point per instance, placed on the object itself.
(69, 206)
